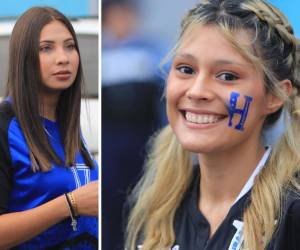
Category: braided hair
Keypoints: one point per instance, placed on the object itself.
(275, 50)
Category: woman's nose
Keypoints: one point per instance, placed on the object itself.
(62, 56)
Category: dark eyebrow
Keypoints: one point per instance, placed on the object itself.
(69, 39)
(50, 41)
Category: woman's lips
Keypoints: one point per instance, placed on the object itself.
(62, 75)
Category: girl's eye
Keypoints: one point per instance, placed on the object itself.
(185, 70)
(227, 77)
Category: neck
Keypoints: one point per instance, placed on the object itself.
(48, 107)
(223, 175)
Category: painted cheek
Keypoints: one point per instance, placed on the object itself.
(233, 110)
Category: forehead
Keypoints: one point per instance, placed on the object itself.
(210, 41)
(55, 30)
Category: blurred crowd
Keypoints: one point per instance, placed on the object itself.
(132, 109)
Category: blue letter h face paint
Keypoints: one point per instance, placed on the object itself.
(242, 112)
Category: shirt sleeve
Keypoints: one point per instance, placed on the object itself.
(5, 186)
(294, 215)
(6, 172)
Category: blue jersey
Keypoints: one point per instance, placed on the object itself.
(22, 189)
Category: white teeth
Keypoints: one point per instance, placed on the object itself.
(201, 119)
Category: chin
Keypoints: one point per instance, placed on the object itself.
(62, 86)
(199, 145)
(59, 88)
(199, 149)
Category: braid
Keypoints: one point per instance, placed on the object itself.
(297, 66)
(285, 31)
(276, 21)
(274, 49)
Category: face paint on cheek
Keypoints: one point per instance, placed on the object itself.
(232, 110)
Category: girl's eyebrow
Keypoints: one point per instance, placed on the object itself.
(226, 62)
(186, 55)
(216, 62)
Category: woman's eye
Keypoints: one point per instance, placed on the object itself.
(185, 70)
(227, 77)
(45, 48)
(71, 46)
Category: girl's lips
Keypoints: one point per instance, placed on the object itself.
(203, 118)
(198, 120)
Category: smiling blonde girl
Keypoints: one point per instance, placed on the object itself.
(234, 72)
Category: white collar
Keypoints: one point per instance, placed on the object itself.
(249, 183)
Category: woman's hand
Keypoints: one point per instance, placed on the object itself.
(19, 227)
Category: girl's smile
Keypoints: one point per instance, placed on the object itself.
(206, 70)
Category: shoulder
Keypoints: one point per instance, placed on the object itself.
(10, 130)
(291, 219)
(6, 115)
(6, 118)
(12, 140)
(292, 210)
(288, 230)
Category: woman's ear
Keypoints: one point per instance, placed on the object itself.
(274, 103)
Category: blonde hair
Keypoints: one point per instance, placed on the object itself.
(168, 168)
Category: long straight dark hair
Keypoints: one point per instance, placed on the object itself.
(24, 81)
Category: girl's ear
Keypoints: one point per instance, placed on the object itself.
(274, 103)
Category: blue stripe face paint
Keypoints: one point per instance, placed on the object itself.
(232, 110)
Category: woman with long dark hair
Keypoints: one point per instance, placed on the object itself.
(48, 179)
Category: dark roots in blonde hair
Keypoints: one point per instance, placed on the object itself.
(274, 42)
(275, 51)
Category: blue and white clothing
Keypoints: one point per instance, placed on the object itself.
(192, 230)
(22, 189)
